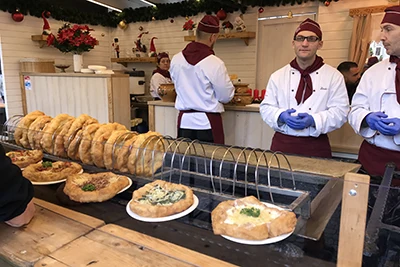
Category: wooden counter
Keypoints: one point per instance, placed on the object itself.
(61, 237)
(104, 97)
(243, 126)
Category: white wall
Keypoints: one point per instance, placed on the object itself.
(16, 43)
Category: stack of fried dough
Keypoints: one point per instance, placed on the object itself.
(108, 145)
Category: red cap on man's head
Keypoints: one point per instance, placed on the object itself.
(309, 25)
(162, 55)
(209, 24)
(392, 15)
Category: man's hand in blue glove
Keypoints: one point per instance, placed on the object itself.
(285, 116)
(373, 117)
(388, 127)
(302, 121)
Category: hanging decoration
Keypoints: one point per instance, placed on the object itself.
(327, 3)
(172, 21)
(17, 16)
(122, 25)
(46, 25)
(162, 12)
(260, 10)
(152, 50)
(221, 14)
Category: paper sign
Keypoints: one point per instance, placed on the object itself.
(27, 82)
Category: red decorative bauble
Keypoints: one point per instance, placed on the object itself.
(47, 14)
(17, 16)
(172, 21)
(327, 3)
(260, 10)
(221, 14)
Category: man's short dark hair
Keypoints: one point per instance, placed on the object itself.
(346, 66)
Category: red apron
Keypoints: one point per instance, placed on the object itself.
(302, 145)
(215, 120)
(374, 158)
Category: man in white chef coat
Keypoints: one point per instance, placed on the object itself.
(202, 86)
(375, 111)
(305, 99)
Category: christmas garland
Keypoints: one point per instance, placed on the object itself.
(161, 12)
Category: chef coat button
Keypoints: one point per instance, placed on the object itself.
(313, 90)
(316, 73)
(383, 111)
(292, 90)
(378, 133)
(389, 68)
(292, 72)
(309, 108)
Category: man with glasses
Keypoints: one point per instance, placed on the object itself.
(202, 85)
(375, 111)
(305, 99)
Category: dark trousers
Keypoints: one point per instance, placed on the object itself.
(201, 135)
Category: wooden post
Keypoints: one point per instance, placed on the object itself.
(152, 118)
(353, 220)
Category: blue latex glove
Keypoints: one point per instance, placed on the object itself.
(285, 116)
(373, 117)
(388, 127)
(302, 121)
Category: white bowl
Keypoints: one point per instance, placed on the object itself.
(87, 71)
(96, 67)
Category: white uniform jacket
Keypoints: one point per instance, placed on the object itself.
(155, 82)
(376, 92)
(328, 104)
(202, 87)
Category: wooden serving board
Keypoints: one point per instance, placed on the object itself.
(47, 232)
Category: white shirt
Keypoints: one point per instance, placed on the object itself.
(155, 82)
(328, 104)
(376, 92)
(203, 87)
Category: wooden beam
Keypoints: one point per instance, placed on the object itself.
(353, 220)
(363, 11)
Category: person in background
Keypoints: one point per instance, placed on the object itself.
(375, 111)
(370, 62)
(16, 193)
(351, 75)
(160, 75)
(202, 86)
(305, 99)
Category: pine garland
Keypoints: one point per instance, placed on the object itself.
(161, 12)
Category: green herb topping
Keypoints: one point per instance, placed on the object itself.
(158, 196)
(89, 187)
(252, 212)
(47, 164)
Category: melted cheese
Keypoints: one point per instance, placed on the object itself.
(266, 215)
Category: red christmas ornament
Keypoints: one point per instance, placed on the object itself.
(17, 16)
(172, 21)
(260, 10)
(221, 14)
(47, 14)
(327, 3)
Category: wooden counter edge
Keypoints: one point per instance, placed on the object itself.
(226, 107)
(163, 247)
(74, 215)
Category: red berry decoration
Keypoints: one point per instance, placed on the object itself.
(221, 14)
(172, 21)
(17, 16)
(260, 10)
(327, 3)
(47, 14)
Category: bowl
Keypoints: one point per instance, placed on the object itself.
(241, 88)
(62, 67)
(167, 92)
(242, 99)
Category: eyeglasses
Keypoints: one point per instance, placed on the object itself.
(301, 38)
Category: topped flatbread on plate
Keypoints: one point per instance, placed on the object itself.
(96, 187)
(23, 158)
(248, 218)
(161, 199)
(51, 171)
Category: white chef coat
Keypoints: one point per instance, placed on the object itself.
(155, 82)
(202, 87)
(376, 92)
(328, 104)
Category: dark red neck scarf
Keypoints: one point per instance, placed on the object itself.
(305, 80)
(396, 60)
(196, 52)
(164, 73)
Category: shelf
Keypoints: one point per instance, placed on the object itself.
(245, 36)
(124, 61)
(42, 39)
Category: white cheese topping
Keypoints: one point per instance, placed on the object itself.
(266, 215)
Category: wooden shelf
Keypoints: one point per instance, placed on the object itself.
(42, 39)
(245, 36)
(124, 61)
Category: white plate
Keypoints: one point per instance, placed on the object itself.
(87, 71)
(164, 219)
(104, 72)
(126, 187)
(52, 182)
(97, 67)
(264, 241)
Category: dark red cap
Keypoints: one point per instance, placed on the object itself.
(309, 25)
(392, 15)
(161, 55)
(209, 24)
